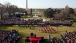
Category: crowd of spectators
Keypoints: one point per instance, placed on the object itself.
(9, 36)
(60, 22)
(42, 40)
(33, 21)
(39, 22)
(55, 40)
(12, 21)
(69, 37)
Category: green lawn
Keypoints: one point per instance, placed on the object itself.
(26, 31)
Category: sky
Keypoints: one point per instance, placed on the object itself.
(42, 3)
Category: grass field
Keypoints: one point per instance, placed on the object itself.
(25, 31)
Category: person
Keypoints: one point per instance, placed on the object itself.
(31, 34)
(38, 41)
(49, 37)
(30, 41)
(30, 26)
(34, 36)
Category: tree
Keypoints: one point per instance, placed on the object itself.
(71, 10)
(23, 11)
(2, 10)
(13, 9)
(8, 9)
(49, 12)
(63, 14)
(75, 13)
(56, 15)
(72, 16)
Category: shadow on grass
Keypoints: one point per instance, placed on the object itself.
(22, 37)
(3, 27)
